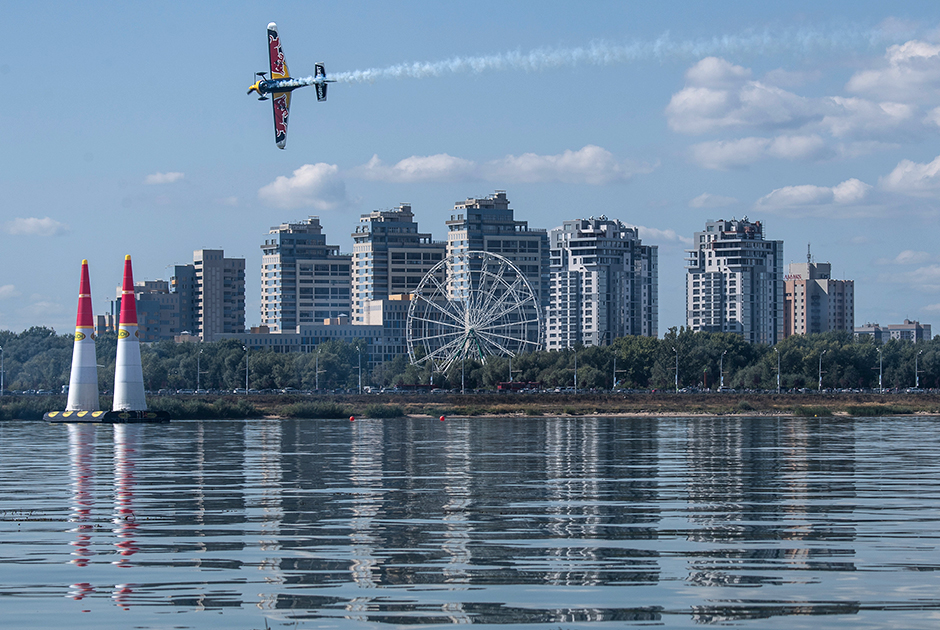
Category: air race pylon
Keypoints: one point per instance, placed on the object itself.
(83, 381)
(128, 373)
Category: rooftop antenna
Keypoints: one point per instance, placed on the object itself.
(809, 256)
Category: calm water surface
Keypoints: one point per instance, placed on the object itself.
(541, 523)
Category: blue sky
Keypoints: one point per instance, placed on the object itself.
(126, 129)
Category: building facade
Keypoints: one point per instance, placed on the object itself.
(211, 294)
(912, 331)
(488, 225)
(815, 303)
(734, 281)
(603, 284)
(220, 293)
(303, 279)
(390, 257)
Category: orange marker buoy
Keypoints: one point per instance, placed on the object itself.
(352, 418)
(442, 418)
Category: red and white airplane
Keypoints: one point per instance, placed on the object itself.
(281, 84)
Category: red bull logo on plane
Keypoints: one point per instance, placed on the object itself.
(276, 55)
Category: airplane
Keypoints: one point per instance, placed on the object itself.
(281, 84)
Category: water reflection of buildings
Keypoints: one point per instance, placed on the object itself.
(264, 501)
(752, 490)
(366, 478)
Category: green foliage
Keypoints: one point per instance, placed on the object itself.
(384, 411)
(31, 408)
(744, 405)
(39, 359)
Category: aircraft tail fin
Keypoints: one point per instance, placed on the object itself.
(320, 73)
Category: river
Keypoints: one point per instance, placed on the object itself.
(509, 522)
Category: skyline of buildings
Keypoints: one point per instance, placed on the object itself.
(594, 278)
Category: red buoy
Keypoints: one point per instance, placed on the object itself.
(352, 418)
(442, 418)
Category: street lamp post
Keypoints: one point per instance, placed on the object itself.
(510, 368)
(360, 371)
(246, 369)
(1, 371)
(819, 386)
(198, 368)
(316, 371)
(721, 370)
(916, 371)
(676, 350)
(778, 369)
(881, 389)
(575, 370)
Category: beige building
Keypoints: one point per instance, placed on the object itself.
(304, 280)
(814, 302)
(219, 294)
(390, 257)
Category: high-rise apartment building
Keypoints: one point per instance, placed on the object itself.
(220, 293)
(814, 302)
(488, 225)
(603, 284)
(390, 257)
(211, 294)
(734, 281)
(303, 280)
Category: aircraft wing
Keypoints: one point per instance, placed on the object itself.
(281, 103)
(276, 54)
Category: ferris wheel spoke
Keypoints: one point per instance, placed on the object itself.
(500, 348)
(506, 309)
(448, 311)
(491, 290)
(436, 322)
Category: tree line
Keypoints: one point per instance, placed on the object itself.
(38, 358)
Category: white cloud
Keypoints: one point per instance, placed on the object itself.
(36, 227)
(708, 200)
(837, 201)
(317, 186)
(925, 279)
(911, 72)
(886, 106)
(932, 308)
(656, 235)
(163, 178)
(429, 168)
(912, 178)
(907, 257)
(588, 165)
(8, 291)
(715, 72)
(726, 154)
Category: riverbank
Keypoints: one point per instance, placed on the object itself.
(507, 404)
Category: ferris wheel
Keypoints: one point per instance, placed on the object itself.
(472, 305)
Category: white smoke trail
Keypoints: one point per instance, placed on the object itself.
(606, 53)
